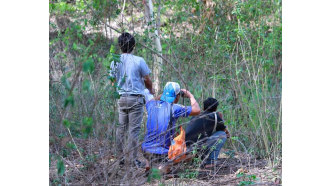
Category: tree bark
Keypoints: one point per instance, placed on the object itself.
(156, 42)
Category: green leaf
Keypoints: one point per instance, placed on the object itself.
(60, 167)
(88, 66)
(155, 174)
(91, 42)
(68, 75)
(88, 123)
(253, 177)
(115, 57)
(79, 35)
(112, 49)
(118, 11)
(74, 46)
(66, 123)
(86, 85)
(70, 145)
(69, 100)
(66, 83)
(106, 63)
(240, 175)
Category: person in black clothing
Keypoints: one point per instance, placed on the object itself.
(208, 129)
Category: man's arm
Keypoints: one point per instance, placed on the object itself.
(158, 97)
(148, 84)
(195, 110)
(220, 114)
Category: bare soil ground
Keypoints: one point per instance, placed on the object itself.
(102, 168)
(237, 170)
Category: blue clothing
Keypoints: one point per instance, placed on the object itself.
(129, 74)
(157, 140)
(170, 91)
(214, 144)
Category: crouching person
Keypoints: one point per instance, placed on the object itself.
(158, 134)
(208, 130)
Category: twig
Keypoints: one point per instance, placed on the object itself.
(75, 143)
(72, 87)
(134, 4)
(122, 11)
(167, 61)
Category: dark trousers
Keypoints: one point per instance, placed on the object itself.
(130, 118)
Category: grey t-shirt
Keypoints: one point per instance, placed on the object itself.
(129, 74)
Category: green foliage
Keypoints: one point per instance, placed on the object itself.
(61, 8)
(88, 161)
(191, 174)
(69, 100)
(60, 167)
(235, 55)
(66, 83)
(88, 126)
(112, 56)
(88, 65)
(86, 85)
(70, 145)
(66, 123)
(154, 175)
(247, 179)
(80, 5)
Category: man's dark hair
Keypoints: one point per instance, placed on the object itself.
(210, 104)
(126, 42)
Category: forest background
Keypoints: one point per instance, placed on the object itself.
(230, 50)
(25, 105)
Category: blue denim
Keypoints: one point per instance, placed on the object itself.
(214, 144)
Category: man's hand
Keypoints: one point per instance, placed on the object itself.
(195, 110)
(186, 93)
(158, 97)
(227, 133)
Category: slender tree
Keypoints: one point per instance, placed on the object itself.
(152, 25)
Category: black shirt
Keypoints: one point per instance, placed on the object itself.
(202, 125)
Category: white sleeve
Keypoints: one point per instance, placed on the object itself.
(112, 71)
(147, 95)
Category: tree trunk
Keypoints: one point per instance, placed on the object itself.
(156, 43)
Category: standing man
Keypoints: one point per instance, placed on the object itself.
(132, 76)
(158, 135)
